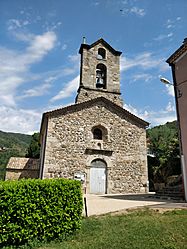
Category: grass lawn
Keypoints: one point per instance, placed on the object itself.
(143, 229)
(138, 229)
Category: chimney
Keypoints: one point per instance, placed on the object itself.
(84, 40)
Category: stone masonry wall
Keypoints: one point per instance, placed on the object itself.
(86, 95)
(21, 167)
(70, 136)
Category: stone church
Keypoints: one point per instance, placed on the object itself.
(96, 140)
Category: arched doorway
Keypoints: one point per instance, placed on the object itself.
(98, 177)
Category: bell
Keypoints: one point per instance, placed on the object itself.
(99, 82)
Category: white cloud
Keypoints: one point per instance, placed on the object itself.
(95, 3)
(53, 26)
(162, 119)
(131, 109)
(170, 24)
(39, 46)
(170, 107)
(143, 61)
(143, 114)
(64, 47)
(74, 58)
(142, 76)
(74, 65)
(162, 37)
(162, 116)
(14, 65)
(19, 120)
(130, 7)
(21, 36)
(154, 117)
(170, 90)
(137, 11)
(14, 24)
(38, 90)
(70, 88)
(8, 89)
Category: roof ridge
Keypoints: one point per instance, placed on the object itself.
(101, 40)
(85, 103)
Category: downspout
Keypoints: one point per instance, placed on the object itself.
(43, 148)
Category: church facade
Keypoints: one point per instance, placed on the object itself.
(96, 140)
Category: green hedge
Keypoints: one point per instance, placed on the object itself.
(39, 209)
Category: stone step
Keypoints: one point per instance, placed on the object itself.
(172, 192)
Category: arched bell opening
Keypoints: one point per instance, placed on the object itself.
(101, 54)
(101, 73)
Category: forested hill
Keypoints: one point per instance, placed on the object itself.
(12, 144)
(16, 140)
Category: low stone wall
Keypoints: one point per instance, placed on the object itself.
(20, 167)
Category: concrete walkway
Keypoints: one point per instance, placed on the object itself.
(102, 204)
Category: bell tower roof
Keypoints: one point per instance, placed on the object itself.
(100, 41)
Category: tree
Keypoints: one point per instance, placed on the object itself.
(34, 147)
(163, 145)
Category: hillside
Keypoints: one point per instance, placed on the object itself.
(12, 144)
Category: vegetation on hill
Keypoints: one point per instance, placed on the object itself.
(163, 148)
(12, 144)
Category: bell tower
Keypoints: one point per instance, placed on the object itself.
(99, 72)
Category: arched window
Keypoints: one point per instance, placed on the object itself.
(100, 132)
(101, 76)
(97, 134)
(101, 54)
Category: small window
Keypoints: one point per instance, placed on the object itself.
(97, 134)
(101, 54)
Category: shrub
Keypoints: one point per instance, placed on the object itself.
(39, 209)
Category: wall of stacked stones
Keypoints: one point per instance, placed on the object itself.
(85, 95)
(70, 136)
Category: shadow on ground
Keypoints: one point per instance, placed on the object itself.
(140, 197)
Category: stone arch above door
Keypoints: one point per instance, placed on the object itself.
(98, 163)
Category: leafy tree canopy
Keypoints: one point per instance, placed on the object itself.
(34, 147)
(163, 148)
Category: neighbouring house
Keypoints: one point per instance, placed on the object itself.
(178, 63)
(96, 140)
(20, 167)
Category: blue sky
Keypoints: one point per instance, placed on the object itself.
(39, 60)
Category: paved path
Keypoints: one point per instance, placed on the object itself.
(102, 204)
